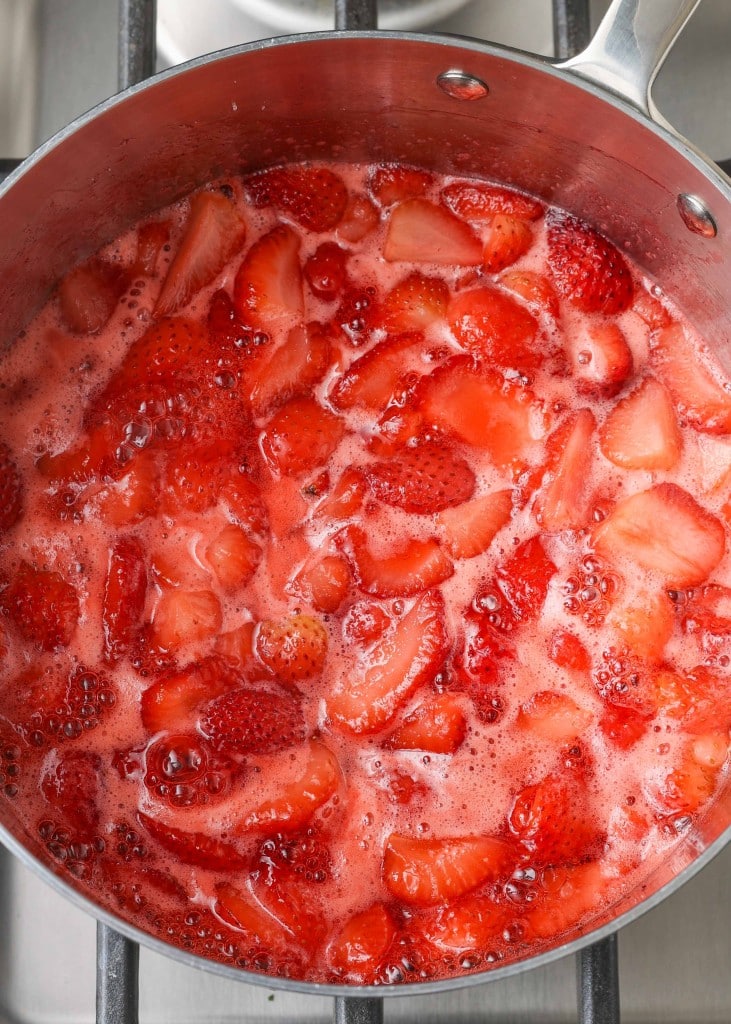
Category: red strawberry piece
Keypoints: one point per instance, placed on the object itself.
(365, 622)
(586, 268)
(411, 568)
(88, 295)
(358, 313)
(641, 431)
(298, 800)
(228, 331)
(196, 848)
(346, 496)
(252, 721)
(437, 725)
(303, 856)
(663, 530)
(536, 290)
(136, 496)
(392, 183)
(567, 897)
(422, 232)
(326, 271)
(11, 490)
(509, 239)
(214, 231)
(553, 819)
(414, 303)
(293, 648)
(315, 197)
(237, 645)
(399, 427)
(359, 219)
(478, 407)
(701, 395)
(152, 236)
(567, 651)
(624, 725)
(42, 606)
(268, 287)
(424, 479)
(171, 702)
(693, 778)
(491, 325)
(650, 309)
(521, 586)
(706, 615)
(361, 945)
(185, 617)
(325, 583)
(292, 369)
(481, 202)
(553, 716)
(125, 592)
(469, 528)
(475, 922)
(71, 783)
(563, 502)
(601, 359)
(404, 658)
(371, 380)
(241, 911)
(300, 436)
(426, 872)
(644, 620)
(233, 556)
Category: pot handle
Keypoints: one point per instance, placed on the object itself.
(629, 48)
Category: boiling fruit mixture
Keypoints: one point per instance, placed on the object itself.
(363, 577)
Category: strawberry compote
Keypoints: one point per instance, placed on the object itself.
(366, 614)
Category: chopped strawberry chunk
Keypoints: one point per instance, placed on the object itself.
(665, 531)
(233, 556)
(371, 380)
(11, 490)
(298, 800)
(650, 309)
(237, 645)
(510, 238)
(197, 848)
(358, 313)
(326, 271)
(244, 913)
(601, 359)
(393, 183)
(475, 922)
(641, 431)
(535, 289)
(414, 303)
(567, 897)
(520, 588)
(568, 651)
(490, 324)
(365, 622)
(325, 584)
(294, 648)
(315, 197)
(415, 566)
(424, 479)
(300, 436)
(692, 781)
(421, 232)
(362, 944)
(71, 785)
(553, 716)
(89, 294)
(481, 202)
(293, 368)
(644, 621)
(358, 220)
(586, 268)
(563, 502)
(42, 606)
(426, 872)
(214, 231)
(624, 725)
(125, 592)
(135, 496)
(253, 721)
(171, 702)
(703, 400)
(405, 657)
(268, 287)
(438, 725)
(186, 617)
(346, 496)
(470, 528)
(553, 819)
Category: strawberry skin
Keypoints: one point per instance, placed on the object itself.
(412, 568)
(510, 238)
(293, 649)
(414, 303)
(124, 596)
(362, 943)
(586, 268)
(300, 436)
(493, 326)
(393, 183)
(196, 848)
(701, 398)
(426, 872)
(315, 197)
(553, 820)
(11, 490)
(71, 784)
(268, 287)
(641, 431)
(601, 359)
(43, 606)
(252, 721)
(481, 202)
(292, 370)
(172, 701)
(421, 232)
(423, 479)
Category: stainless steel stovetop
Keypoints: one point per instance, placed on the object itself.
(57, 58)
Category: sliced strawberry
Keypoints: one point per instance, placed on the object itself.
(244, 913)
(509, 239)
(491, 325)
(665, 531)
(227, 330)
(125, 592)
(422, 232)
(325, 583)
(624, 725)
(437, 725)
(520, 588)
(253, 721)
(553, 819)
(563, 502)
(315, 197)
(346, 496)
(300, 436)
(197, 848)
(362, 944)
(186, 617)
(692, 781)
(470, 528)
(365, 622)
(233, 556)
(11, 490)
(415, 566)
(88, 295)
(151, 237)
(707, 617)
(42, 606)
(644, 621)
(405, 657)
(423, 479)
(358, 313)
(426, 872)
(171, 702)
(358, 220)
(371, 380)
(294, 906)
(326, 271)
(702, 397)
(699, 699)
(268, 287)
(535, 289)
(71, 783)
(293, 368)
(294, 648)
(393, 183)
(298, 800)
(196, 475)
(136, 496)
(237, 645)
(586, 268)
(567, 651)
(553, 716)
(414, 303)
(567, 896)
(214, 231)
(397, 428)
(641, 431)
(650, 309)
(601, 359)
(481, 202)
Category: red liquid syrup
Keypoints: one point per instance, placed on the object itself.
(364, 588)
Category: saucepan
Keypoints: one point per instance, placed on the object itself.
(582, 134)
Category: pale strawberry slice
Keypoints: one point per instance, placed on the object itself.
(371, 380)
(702, 397)
(241, 911)
(237, 645)
(234, 557)
(421, 232)
(481, 202)
(293, 648)
(537, 291)
(493, 326)
(358, 220)
(298, 800)
(414, 303)
(268, 287)
(214, 231)
(641, 431)
(315, 197)
(416, 565)
(601, 359)
(437, 725)
(480, 408)
(185, 617)
(300, 436)
(645, 621)
(171, 703)
(563, 501)
(197, 848)
(346, 496)
(43, 606)
(325, 583)
(553, 716)
(125, 592)
(362, 943)
(693, 779)
(568, 896)
(426, 872)
(665, 531)
(397, 428)
(469, 529)
(509, 239)
(11, 490)
(88, 295)
(586, 268)
(393, 183)
(135, 496)
(554, 820)
(423, 479)
(647, 306)
(405, 657)
(293, 369)
(475, 922)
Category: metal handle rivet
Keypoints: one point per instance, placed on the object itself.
(696, 215)
(461, 86)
